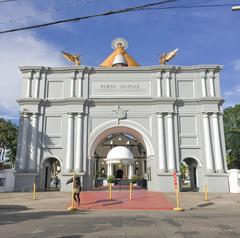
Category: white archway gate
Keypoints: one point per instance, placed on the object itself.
(127, 127)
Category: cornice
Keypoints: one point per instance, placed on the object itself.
(128, 100)
(141, 69)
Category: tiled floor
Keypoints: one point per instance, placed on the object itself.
(141, 200)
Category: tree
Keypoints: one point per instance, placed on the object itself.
(231, 120)
(8, 139)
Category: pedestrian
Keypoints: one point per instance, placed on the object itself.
(76, 190)
(56, 182)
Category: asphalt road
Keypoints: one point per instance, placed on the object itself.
(22, 217)
(119, 224)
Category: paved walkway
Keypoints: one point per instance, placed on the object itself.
(141, 200)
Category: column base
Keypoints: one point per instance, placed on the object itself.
(217, 183)
(220, 171)
(80, 172)
(210, 171)
(165, 182)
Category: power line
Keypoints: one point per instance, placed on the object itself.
(4, 1)
(73, 5)
(193, 6)
(58, 9)
(150, 6)
(112, 12)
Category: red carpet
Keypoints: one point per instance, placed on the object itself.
(141, 200)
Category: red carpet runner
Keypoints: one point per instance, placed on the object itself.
(141, 200)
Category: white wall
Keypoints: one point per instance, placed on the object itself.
(9, 178)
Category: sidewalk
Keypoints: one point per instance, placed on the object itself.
(99, 200)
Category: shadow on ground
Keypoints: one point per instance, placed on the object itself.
(10, 217)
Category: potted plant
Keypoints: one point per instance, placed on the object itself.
(134, 179)
(111, 179)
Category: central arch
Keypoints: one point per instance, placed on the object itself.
(110, 128)
(128, 127)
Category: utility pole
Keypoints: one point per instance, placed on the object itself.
(236, 8)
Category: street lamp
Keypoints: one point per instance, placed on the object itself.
(236, 8)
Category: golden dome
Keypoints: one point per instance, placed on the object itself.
(119, 57)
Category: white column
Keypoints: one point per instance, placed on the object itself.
(72, 87)
(211, 86)
(208, 144)
(161, 144)
(168, 87)
(34, 140)
(36, 93)
(79, 144)
(159, 84)
(204, 89)
(108, 169)
(130, 171)
(217, 144)
(171, 149)
(80, 87)
(24, 143)
(111, 168)
(70, 141)
(29, 87)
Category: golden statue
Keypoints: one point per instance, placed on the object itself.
(73, 58)
(165, 57)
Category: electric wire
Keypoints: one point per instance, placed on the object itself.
(47, 12)
(112, 12)
(149, 6)
(74, 5)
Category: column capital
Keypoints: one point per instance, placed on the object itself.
(211, 75)
(35, 115)
(205, 114)
(159, 74)
(203, 75)
(70, 114)
(160, 114)
(215, 115)
(167, 75)
(80, 115)
(170, 114)
(26, 114)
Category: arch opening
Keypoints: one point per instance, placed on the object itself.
(122, 170)
(51, 170)
(189, 174)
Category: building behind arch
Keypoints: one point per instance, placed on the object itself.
(173, 112)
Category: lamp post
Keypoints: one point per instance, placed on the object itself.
(236, 8)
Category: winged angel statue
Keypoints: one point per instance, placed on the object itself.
(165, 57)
(73, 58)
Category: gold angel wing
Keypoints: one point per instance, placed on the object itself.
(73, 58)
(165, 57)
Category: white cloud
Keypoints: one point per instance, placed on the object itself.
(20, 50)
(232, 97)
(236, 64)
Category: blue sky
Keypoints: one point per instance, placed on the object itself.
(203, 36)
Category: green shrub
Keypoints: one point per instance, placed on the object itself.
(111, 179)
(134, 179)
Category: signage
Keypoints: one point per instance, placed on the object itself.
(118, 88)
(175, 179)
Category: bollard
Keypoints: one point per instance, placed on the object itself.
(34, 191)
(72, 208)
(110, 191)
(206, 192)
(178, 208)
(130, 192)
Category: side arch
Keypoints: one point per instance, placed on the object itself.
(195, 158)
(49, 157)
